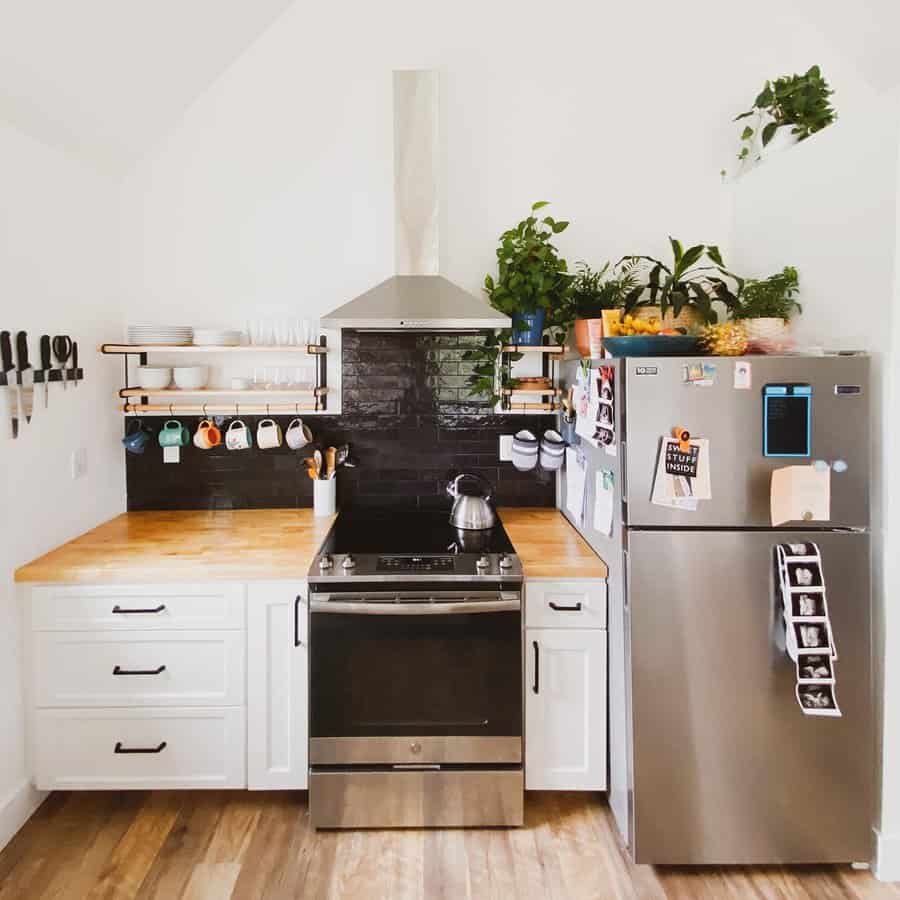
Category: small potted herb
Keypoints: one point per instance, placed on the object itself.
(681, 295)
(787, 110)
(766, 307)
(532, 278)
(595, 293)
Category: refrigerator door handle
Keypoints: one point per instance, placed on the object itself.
(623, 447)
(625, 599)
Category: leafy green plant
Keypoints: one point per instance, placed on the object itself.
(798, 101)
(696, 278)
(595, 290)
(484, 379)
(531, 273)
(772, 297)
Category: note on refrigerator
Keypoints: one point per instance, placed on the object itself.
(800, 494)
(604, 494)
(576, 472)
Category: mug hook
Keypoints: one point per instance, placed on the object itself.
(205, 414)
(171, 413)
(267, 409)
(237, 411)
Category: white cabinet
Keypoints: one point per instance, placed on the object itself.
(277, 685)
(565, 709)
(565, 604)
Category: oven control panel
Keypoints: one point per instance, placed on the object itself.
(441, 564)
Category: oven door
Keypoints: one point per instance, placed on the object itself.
(416, 678)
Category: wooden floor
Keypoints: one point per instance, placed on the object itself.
(250, 845)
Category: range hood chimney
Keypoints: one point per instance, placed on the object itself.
(417, 297)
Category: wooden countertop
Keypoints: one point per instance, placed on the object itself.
(549, 546)
(260, 544)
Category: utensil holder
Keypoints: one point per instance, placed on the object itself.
(324, 497)
(567, 429)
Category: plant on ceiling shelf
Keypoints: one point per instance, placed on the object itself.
(533, 282)
(766, 306)
(793, 107)
(682, 294)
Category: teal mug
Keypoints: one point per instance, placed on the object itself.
(174, 434)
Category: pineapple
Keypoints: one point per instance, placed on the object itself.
(728, 339)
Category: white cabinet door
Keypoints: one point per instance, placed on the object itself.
(277, 685)
(565, 708)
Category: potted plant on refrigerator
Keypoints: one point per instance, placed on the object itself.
(766, 306)
(532, 278)
(787, 110)
(681, 295)
(597, 293)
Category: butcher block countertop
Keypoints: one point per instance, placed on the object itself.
(263, 544)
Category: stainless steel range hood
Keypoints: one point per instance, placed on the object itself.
(417, 297)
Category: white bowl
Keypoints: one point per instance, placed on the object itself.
(154, 378)
(191, 378)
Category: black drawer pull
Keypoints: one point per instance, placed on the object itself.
(121, 749)
(157, 609)
(536, 687)
(118, 670)
(575, 608)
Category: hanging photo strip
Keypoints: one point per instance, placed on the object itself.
(605, 425)
(809, 638)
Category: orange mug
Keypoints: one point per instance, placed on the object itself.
(207, 435)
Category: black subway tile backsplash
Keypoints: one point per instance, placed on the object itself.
(410, 423)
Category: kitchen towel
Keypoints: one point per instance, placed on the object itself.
(808, 634)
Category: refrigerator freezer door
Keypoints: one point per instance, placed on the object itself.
(727, 769)
(732, 420)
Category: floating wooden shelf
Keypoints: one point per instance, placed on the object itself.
(522, 348)
(120, 349)
(223, 392)
(224, 409)
(520, 408)
(533, 392)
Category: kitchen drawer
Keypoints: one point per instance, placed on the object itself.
(89, 748)
(138, 668)
(565, 604)
(111, 606)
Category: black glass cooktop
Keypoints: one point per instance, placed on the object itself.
(410, 534)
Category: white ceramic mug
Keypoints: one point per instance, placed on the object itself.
(268, 434)
(238, 436)
(297, 435)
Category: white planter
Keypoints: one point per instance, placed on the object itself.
(768, 335)
(781, 140)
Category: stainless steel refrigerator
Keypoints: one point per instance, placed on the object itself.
(711, 758)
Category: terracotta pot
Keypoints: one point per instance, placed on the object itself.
(688, 318)
(583, 334)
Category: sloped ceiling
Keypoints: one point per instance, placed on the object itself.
(107, 79)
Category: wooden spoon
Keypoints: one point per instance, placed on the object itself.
(330, 456)
(317, 458)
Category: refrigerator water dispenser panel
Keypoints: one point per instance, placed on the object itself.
(787, 420)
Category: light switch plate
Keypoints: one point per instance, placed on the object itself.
(171, 454)
(506, 444)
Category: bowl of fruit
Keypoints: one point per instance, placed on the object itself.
(646, 337)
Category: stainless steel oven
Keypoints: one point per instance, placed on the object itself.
(415, 703)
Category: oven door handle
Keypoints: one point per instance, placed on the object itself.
(424, 608)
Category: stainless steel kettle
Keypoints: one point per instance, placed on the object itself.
(472, 512)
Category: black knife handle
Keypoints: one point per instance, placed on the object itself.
(46, 353)
(74, 354)
(6, 351)
(62, 347)
(22, 350)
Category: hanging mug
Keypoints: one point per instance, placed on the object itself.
(297, 435)
(207, 435)
(268, 434)
(174, 434)
(136, 439)
(238, 436)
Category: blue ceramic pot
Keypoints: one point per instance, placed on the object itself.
(528, 328)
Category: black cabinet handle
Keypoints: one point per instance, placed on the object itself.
(118, 670)
(575, 608)
(120, 749)
(297, 641)
(156, 609)
(536, 687)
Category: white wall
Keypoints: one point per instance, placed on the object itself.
(58, 248)
(274, 194)
(829, 206)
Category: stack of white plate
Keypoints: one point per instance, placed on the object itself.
(160, 334)
(216, 337)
